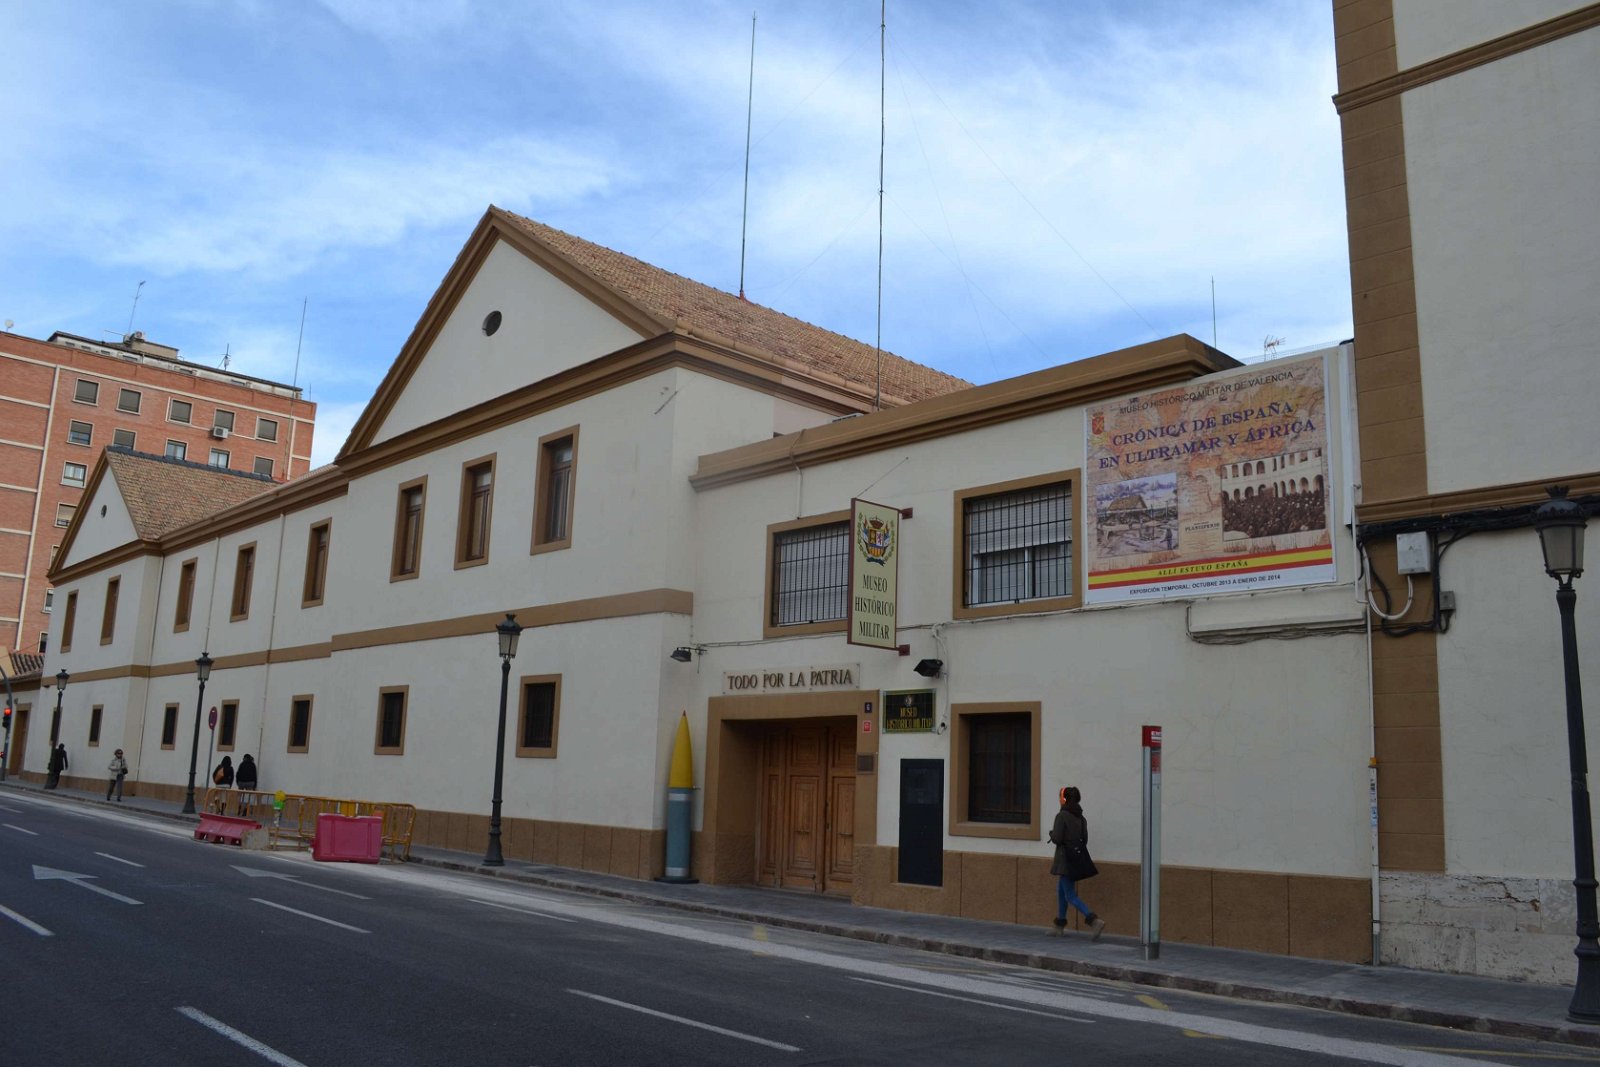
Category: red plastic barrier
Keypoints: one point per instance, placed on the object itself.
(348, 838)
(223, 828)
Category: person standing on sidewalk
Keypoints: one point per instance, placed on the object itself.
(1070, 835)
(119, 770)
(57, 764)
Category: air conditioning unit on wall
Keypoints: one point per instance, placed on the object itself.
(219, 432)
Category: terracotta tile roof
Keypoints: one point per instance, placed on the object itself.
(24, 664)
(164, 494)
(676, 298)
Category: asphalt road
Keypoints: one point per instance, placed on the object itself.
(124, 941)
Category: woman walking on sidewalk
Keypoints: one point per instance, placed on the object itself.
(1070, 835)
(119, 770)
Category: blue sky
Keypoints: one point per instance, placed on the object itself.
(1062, 178)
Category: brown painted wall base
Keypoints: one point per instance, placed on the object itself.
(1298, 915)
(581, 846)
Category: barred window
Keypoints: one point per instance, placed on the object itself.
(1018, 545)
(810, 574)
(1000, 754)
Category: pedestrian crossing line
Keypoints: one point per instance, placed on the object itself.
(974, 1000)
(25, 921)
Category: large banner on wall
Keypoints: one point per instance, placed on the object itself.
(1213, 487)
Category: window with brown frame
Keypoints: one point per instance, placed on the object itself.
(995, 770)
(1014, 547)
(316, 581)
(539, 715)
(477, 504)
(180, 615)
(552, 511)
(96, 713)
(227, 725)
(69, 621)
(244, 572)
(108, 621)
(808, 574)
(391, 739)
(169, 726)
(300, 724)
(408, 514)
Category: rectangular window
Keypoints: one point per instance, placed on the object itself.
(407, 558)
(539, 713)
(49, 600)
(219, 458)
(86, 392)
(180, 411)
(80, 433)
(472, 525)
(108, 621)
(44, 642)
(180, 616)
(177, 450)
(223, 420)
(552, 512)
(266, 429)
(391, 739)
(64, 513)
(227, 725)
(316, 563)
(1015, 547)
(95, 714)
(996, 771)
(263, 465)
(129, 400)
(69, 621)
(808, 574)
(244, 572)
(169, 726)
(124, 438)
(74, 474)
(300, 724)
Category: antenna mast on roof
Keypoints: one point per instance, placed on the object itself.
(883, 34)
(295, 381)
(137, 289)
(749, 110)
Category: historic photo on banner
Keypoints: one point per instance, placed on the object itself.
(1213, 488)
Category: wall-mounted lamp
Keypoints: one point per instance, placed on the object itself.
(929, 668)
(685, 653)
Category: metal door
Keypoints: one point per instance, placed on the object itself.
(921, 822)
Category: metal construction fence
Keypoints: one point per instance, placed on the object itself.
(295, 826)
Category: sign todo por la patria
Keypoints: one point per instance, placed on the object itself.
(766, 680)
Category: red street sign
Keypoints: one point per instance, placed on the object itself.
(1152, 737)
(866, 726)
(211, 720)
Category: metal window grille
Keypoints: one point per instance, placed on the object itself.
(1018, 545)
(999, 770)
(538, 714)
(810, 574)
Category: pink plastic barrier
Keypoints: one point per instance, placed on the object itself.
(348, 838)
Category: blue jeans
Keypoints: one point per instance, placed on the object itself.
(1066, 894)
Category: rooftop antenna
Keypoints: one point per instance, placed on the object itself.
(1269, 346)
(137, 289)
(1213, 311)
(227, 356)
(883, 126)
(295, 382)
(749, 111)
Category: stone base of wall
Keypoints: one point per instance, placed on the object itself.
(1521, 928)
(1291, 914)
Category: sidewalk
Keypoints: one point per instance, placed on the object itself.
(1512, 1009)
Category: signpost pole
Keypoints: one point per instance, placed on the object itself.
(211, 737)
(1150, 845)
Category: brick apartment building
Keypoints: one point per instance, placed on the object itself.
(64, 399)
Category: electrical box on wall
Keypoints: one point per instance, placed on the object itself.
(1412, 553)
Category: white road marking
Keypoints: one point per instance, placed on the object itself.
(266, 1052)
(48, 874)
(119, 859)
(308, 915)
(253, 872)
(25, 921)
(19, 829)
(972, 1000)
(779, 1045)
(525, 911)
(14, 811)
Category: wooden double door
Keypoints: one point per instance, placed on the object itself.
(808, 806)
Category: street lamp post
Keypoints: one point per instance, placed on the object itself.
(61, 687)
(202, 669)
(508, 631)
(1560, 523)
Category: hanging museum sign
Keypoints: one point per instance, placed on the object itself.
(764, 680)
(874, 569)
(1213, 487)
(908, 711)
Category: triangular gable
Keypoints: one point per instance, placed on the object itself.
(503, 269)
(92, 533)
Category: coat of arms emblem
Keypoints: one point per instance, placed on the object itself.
(876, 539)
